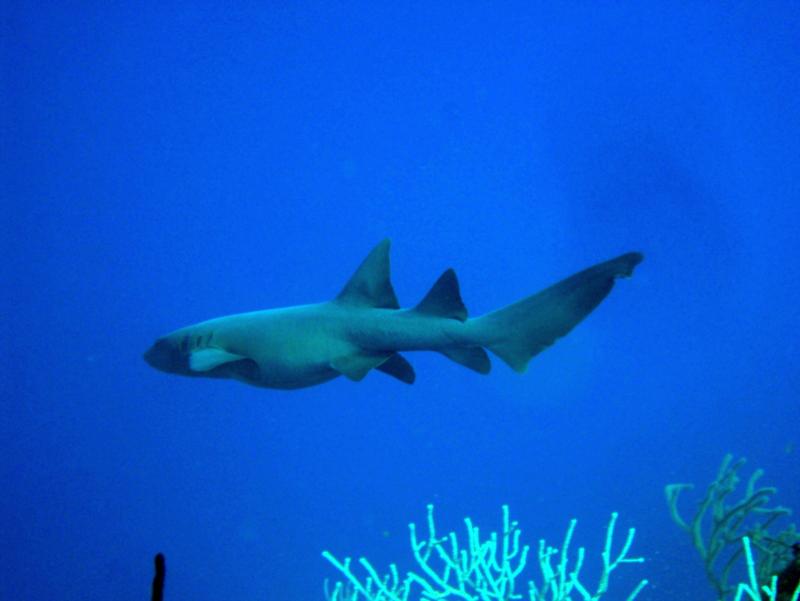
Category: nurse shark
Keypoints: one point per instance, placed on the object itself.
(364, 328)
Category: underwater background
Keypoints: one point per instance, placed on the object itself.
(167, 164)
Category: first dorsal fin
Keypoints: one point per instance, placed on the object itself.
(370, 285)
(444, 299)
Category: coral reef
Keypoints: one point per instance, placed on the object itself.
(484, 569)
(722, 529)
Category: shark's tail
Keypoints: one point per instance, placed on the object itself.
(520, 331)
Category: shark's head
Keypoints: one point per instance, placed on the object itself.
(191, 352)
(169, 355)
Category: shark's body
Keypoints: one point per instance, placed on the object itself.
(363, 328)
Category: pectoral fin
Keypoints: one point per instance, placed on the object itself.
(209, 358)
(355, 367)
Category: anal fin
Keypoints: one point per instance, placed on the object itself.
(473, 357)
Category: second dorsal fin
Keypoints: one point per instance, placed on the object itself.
(370, 285)
(444, 299)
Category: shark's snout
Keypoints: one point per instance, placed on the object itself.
(164, 356)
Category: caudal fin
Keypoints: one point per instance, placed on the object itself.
(520, 331)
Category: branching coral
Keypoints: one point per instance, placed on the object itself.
(482, 569)
(720, 524)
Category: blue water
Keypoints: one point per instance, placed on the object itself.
(162, 166)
